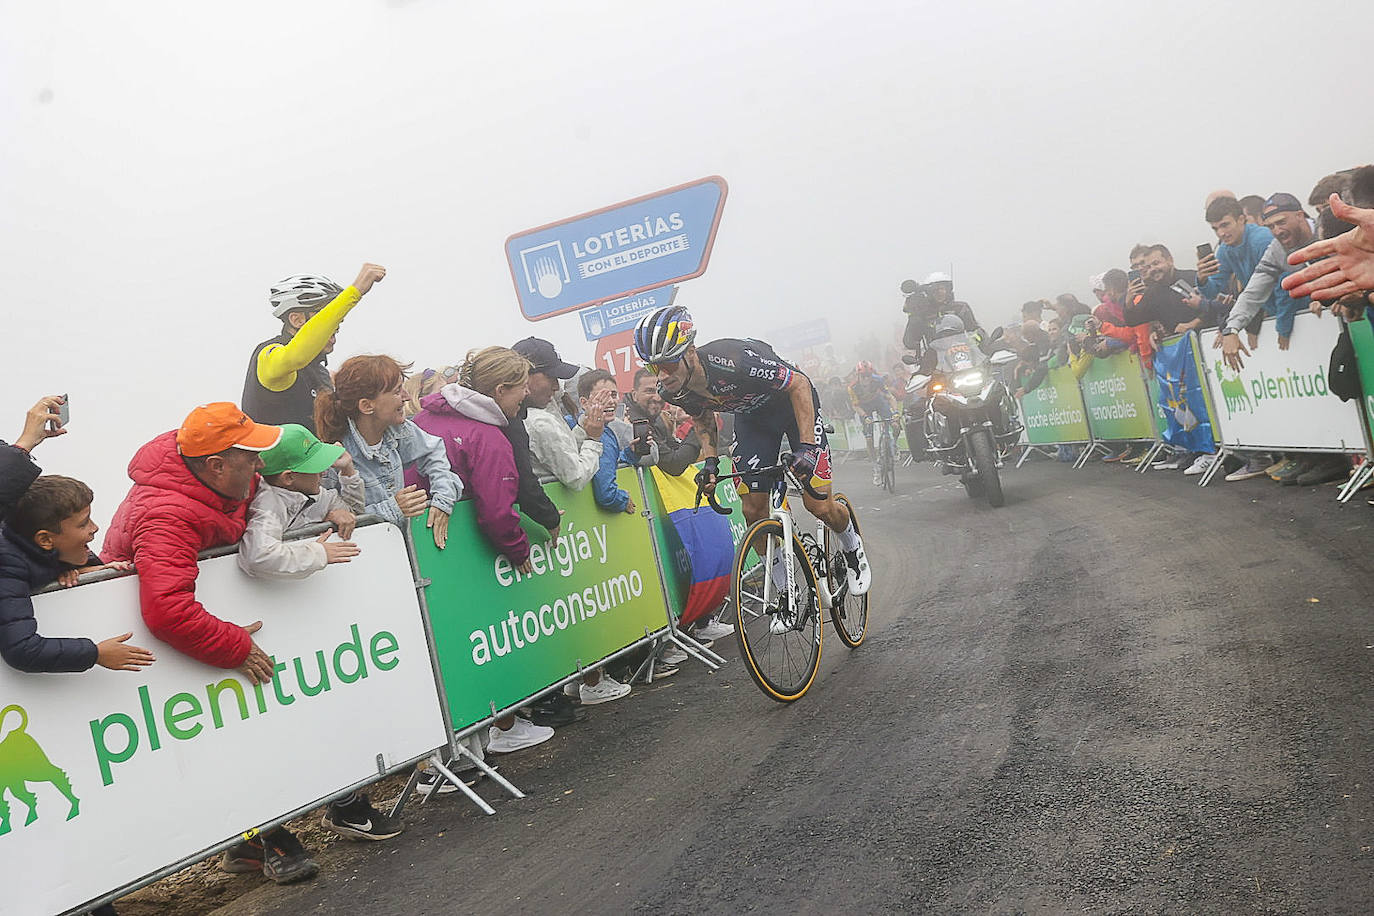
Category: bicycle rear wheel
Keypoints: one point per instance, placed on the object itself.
(850, 612)
(781, 646)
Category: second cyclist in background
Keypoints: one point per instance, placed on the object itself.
(868, 395)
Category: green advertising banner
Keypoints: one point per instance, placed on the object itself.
(502, 635)
(1053, 412)
(1362, 336)
(1116, 399)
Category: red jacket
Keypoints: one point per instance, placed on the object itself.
(166, 520)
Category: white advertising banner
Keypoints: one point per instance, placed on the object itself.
(1280, 398)
(109, 776)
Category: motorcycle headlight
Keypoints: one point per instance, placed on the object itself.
(971, 380)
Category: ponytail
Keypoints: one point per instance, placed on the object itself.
(358, 378)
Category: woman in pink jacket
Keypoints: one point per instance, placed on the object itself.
(469, 416)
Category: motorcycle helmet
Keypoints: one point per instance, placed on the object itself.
(938, 277)
(949, 324)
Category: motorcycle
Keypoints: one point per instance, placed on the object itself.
(970, 417)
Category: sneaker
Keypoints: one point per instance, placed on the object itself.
(1282, 469)
(856, 567)
(521, 735)
(1135, 460)
(571, 690)
(877, 478)
(432, 782)
(557, 710)
(1325, 472)
(1166, 464)
(605, 690)
(1253, 468)
(1201, 465)
(713, 630)
(662, 670)
(358, 820)
(242, 858)
(1117, 456)
(285, 860)
(1300, 467)
(1274, 468)
(673, 655)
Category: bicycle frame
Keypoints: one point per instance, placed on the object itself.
(779, 510)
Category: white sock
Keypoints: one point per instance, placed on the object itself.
(849, 537)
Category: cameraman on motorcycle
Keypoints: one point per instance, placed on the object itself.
(927, 303)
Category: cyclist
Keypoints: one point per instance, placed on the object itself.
(868, 395)
(771, 398)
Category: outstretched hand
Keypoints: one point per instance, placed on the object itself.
(112, 653)
(40, 423)
(1347, 264)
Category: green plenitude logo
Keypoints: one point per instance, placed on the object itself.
(1264, 387)
(22, 761)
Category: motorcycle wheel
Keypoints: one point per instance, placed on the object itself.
(984, 455)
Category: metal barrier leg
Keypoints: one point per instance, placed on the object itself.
(463, 787)
(696, 650)
(490, 772)
(1357, 482)
(1216, 466)
(1151, 455)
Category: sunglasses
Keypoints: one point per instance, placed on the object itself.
(660, 368)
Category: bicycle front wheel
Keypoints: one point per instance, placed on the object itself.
(779, 632)
(850, 612)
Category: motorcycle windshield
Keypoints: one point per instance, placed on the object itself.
(956, 353)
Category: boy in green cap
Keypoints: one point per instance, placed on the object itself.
(293, 498)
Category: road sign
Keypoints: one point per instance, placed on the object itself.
(622, 314)
(618, 251)
(616, 354)
(800, 336)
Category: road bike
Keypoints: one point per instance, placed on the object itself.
(887, 452)
(782, 583)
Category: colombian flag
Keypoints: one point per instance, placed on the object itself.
(706, 538)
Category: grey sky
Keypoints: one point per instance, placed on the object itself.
(164, 162)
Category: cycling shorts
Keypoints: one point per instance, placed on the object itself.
(758, 441)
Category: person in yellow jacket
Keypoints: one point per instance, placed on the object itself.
(287, 371)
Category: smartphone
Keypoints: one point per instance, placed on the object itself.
(1132, 276)
(63, 415)
(1204, 250)
(641, 437)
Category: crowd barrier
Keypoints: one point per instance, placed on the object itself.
(1278, 401)
(116, 778)
(381, 662)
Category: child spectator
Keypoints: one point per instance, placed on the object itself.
(291, 498)
(47, 533)
(365, 413)
(596, 390)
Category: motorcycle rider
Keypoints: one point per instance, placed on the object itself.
(868, 395)
(926, 303)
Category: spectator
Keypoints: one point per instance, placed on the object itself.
(1223, 274)
(673, 455)
(365, 411)
(1341, 266)
(1170, 297)
(191, 492)
(1285, 217)
(556, 453)
(1135, 287)
(1067, 306)
(291, 498)
(423, 384)
(1032, 314)
(286, 372)
(469, 415)
(596, 391)
(48, 533)
(17, 469)
(1253, 205)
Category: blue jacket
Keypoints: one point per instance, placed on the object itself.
(17, 471)
(24, 568)
(605, 490)
(1237, 264)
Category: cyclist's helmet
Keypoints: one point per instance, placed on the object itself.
(302, 291)
(864, 369)
(937, 277)
(664, 335)
(909, 287)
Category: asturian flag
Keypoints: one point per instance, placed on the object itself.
(1181, 397)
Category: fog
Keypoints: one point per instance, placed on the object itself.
(164, 162)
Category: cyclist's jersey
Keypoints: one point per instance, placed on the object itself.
(871, 399)
(742, 375)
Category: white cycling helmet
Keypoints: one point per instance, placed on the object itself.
(663, 335)
(937, 277)
(302, 291)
